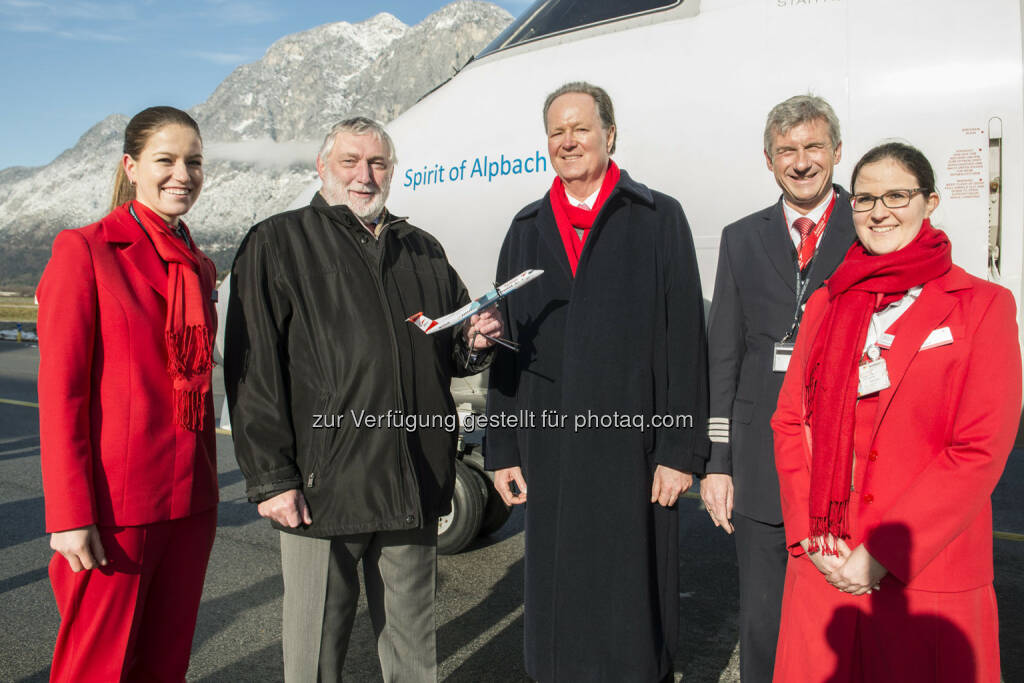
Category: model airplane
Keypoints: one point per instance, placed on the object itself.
(492, 297)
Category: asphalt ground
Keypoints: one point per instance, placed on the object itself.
(479, 608)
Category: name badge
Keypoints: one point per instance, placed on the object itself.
(873, 377)
(780, 359)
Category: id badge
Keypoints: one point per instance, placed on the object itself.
(873, 377)
(780, 358)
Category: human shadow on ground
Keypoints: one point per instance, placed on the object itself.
(26, 446)
(218, 613)
(889, 638)
(23, 520)
(491, 661)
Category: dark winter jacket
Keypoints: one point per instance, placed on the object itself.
(324, 374)
(624, 342)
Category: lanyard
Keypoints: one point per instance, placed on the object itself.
(803, 283)
(801, 289)
(177, 229)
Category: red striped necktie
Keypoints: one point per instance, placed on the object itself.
(808, 240)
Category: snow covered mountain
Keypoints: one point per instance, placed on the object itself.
(261, 128)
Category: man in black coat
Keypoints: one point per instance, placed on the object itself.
(769, 263)
(343, 422)
(612, 366)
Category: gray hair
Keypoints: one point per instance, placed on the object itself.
(601, 98)
(358, 125)
(797, 110)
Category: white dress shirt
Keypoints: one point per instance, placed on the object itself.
(881, 320)
(814, 214)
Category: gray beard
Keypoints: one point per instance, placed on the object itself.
(338, 196)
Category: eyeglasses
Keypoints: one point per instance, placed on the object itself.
(893, 199)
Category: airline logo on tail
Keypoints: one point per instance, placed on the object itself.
(423, 322)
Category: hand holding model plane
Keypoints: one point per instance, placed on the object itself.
(484, 328)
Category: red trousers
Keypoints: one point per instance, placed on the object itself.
(892, 634)
(133, 619)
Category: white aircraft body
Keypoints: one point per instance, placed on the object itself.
(693, 81)
(476, 305)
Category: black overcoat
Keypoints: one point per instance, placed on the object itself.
(623, 341)
(316, 335)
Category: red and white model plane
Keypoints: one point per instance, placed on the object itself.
(492, 297)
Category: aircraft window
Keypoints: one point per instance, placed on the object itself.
(546, 17)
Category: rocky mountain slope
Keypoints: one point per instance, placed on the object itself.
(261, 128)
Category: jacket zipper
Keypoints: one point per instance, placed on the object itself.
(396, 364)
(325, 403)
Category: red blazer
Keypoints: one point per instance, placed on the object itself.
(111, 452)
(940, 440)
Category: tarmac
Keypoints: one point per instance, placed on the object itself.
(479, 598)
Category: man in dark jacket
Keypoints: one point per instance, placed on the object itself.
(343, 422)
(612, 363)
(769, 264)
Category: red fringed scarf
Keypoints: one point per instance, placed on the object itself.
(862, 284)
(569, 217)
(191, 321)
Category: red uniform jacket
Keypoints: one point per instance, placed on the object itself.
(111, 451)
(940, 440)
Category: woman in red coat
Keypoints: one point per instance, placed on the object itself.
(893, 426)
(126, 324)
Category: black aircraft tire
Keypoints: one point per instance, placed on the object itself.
(496, 513)
(457, 530)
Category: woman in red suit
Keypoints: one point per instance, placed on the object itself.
(893, 426)
(126, 324)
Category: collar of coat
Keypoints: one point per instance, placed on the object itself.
(118, 227)
(626, 186)
(342, 214)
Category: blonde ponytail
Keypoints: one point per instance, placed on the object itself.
(124, 190)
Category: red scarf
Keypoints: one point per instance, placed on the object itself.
(569, 217)
(191, 321)
(862, 284)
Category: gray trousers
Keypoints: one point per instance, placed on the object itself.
(321, 591)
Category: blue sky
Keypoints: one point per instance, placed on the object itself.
(67, 64)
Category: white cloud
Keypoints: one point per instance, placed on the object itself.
(233, 12)
(69, 20)
(76, 34)
(93, 11)
(23, 27)
(95, 36)
(263, 152)
(229, 58)
(7, 5)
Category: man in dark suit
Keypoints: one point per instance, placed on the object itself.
(769, 263)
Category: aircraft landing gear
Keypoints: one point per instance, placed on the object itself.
(477, 509)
